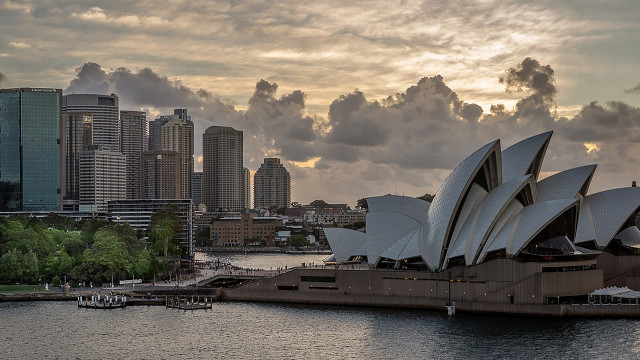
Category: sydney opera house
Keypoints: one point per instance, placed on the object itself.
(494, 237)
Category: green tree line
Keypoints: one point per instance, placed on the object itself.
(34, 250)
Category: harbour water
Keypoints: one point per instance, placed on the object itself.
(59, 330)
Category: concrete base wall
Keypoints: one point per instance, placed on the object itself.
(500, 286)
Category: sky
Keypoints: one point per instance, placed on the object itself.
(359, 98)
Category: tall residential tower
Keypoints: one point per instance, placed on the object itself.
(271, 185)
(223, 173)
(133, 143)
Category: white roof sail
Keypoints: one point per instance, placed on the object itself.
(459, 238)
(344, 242)
(525, 157)
(608, 210)
(507, 215)
(566, 184)
(489, 212)
(448, 200)
(533, 219)
(390, 219)
(396, 250)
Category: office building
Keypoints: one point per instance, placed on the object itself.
(102, 177)
(155, 127)
(177, 135)
(271, 185)
(78, 136)
(137, 213)
(246, 188)
(105, 116)
(196, 188)
(133, 136)
(234, 230)
(160, 174)
(222, 169)
(31, 165)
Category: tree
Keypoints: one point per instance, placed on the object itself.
(10, 266)
(427, 197)
(297, 241)
(321, 204)
(362, 203)
(59, 222)
(281, 210)
(356, 225)
(163, 228)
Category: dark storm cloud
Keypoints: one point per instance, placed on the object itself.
(2, 78)
(90, 79)
(633, 90)
(615, 122)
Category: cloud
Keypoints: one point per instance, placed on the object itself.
(413, 138)
(635, 89)
(99, 15)
(19, 44)
(3, 78)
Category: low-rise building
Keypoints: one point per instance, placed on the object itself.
(233, 231)
(137, 213)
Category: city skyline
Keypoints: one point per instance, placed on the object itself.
(289, 81)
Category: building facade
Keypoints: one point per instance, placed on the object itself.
(31, 165)
(102, 177)
(196, 188)
(233, 231)
(133, 141)
(160, 177)
(246, 188)
(78, 136)
(137, 213)
(222, 169)
(177, 135)
(105, 113)
(271, 185)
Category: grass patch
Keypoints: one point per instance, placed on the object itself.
(21, 288)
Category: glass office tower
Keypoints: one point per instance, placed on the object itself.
(30, 161)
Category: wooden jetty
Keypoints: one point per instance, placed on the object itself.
(186, 304)
(102, 302)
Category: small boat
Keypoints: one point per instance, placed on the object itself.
(102, 302)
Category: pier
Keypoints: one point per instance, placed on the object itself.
(186, 304)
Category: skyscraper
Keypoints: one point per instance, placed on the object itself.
(160, 174)
(104, 112)
(196, 188)
(222, 169)
(271, 185)
(102, 177)
(31, 165)
(246, 188)
(78, 132)
(155, 127)
(177, 135)
(133, 143)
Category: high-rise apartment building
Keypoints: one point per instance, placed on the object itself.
(246, 188)
(133, 143)
(177, 135)
(155, 127)
(104, 112)
(160, 174)
(31, 165)
(78, 135)
(271, 185)
(196, 188)
(102, 177)
(222, 169)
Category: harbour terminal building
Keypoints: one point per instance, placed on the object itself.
(494, 238)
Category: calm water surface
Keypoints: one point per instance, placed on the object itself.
(59, 330)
